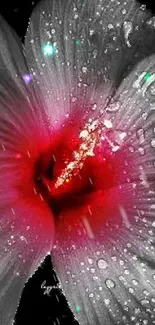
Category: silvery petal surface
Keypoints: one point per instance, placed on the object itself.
(26, 223)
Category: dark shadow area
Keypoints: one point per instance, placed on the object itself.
(42, 300)
(17, 14)
(150, 4)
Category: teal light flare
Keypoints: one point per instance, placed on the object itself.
(48, 49)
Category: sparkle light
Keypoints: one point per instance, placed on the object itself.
(90, 138)
(147, 76)
(78, 308)
(18, 156)
(48, 49)
(27, 78)
(78, 42)
(88, 227)
(124, 216)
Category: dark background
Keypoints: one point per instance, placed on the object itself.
(36, 306)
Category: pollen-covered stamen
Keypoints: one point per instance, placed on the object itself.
(90, 137)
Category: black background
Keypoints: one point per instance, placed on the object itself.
(37, 307)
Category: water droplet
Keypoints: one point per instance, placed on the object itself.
(94, 106)
(90, 260)
(141, 151)
(151, 22)
(74, 99)
(84, 69)
(131, 290)
(110, 26)
(153, 143)
(128, 26)
(152, 90)
(131, 149)
(95, 54)
(135, 282)
(108, 124)
(145, 302)
(115, 148)
(95, 278)
(107, 301)
(113, 107)
(76, 16)
(146, 292)
(140, 135)
(124, 12)
(110, 284)
(102, 264)
(91, 32)
(126, 272)
(143, 7)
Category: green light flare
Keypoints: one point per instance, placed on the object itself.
(147, 76)
(78, 308)
(48, 49)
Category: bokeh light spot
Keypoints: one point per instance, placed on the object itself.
(78, 308)
(48, 49)
(27, 78)
(147, 76)
(18, 156)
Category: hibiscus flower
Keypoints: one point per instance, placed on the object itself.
(77, 158)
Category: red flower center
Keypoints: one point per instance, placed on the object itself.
(76, 170)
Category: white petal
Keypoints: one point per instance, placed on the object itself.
(79, 51)
(26, 224)
(108, 271)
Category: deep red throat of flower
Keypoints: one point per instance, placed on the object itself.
(78, 171)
